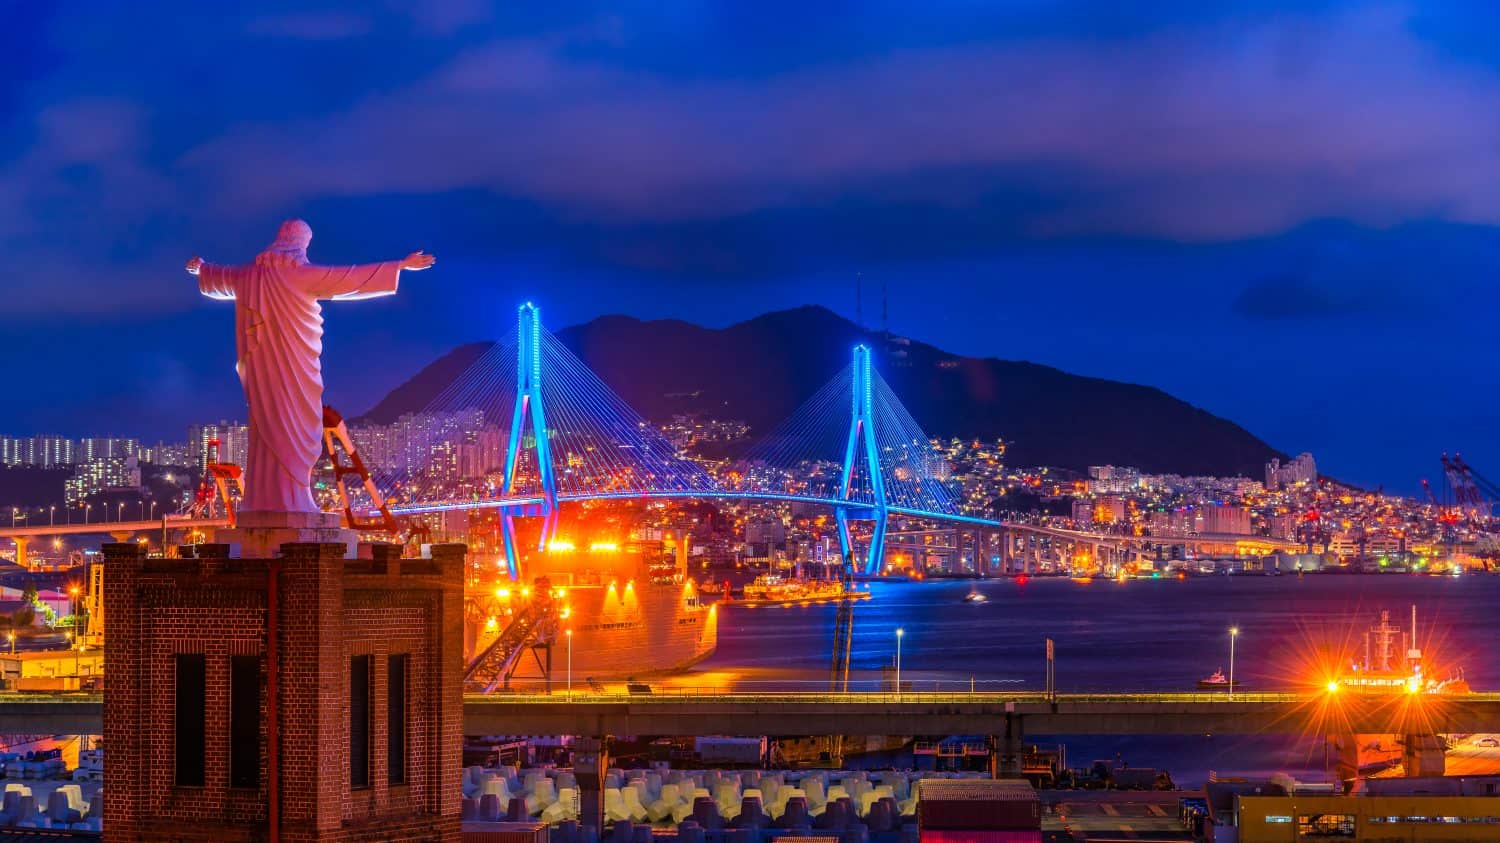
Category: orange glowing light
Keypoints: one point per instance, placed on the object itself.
(1332, 686)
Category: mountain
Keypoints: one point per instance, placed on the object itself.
(761, 370)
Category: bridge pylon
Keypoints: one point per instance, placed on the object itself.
(529, 408)
(862, 442)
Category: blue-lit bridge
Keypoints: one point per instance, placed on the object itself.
(568, 437)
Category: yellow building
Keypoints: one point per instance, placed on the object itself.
(1369, 819)
(51, 670)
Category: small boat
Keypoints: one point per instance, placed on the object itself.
(1217, 680)
(773, 590)
(975, 596)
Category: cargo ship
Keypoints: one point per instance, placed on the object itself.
(613, 612)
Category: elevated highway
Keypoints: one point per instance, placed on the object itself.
(22, 535)
(793, 714)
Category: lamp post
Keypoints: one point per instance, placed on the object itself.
(51, 515)
(12, 636)
(900, 633)
(1234, 632)
(570, 665)
(87, 508)
(120, 512)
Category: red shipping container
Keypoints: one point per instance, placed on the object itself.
(522, 832)
(981, 837)
(978, 805)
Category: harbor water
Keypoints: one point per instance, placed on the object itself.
(1110, 636)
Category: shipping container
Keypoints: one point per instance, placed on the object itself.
(980, 837)
(521, 832)
(978, 805)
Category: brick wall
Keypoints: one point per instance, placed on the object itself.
(329, 610)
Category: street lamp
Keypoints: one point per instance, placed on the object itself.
(570, 665)
(900, 633)
(120, 512)
(87, 508)
(51, 515)
(1234, 632)
(12, 636)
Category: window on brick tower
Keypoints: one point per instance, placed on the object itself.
(188, 727)
(244, 721)
(359, 721)
(395, 718)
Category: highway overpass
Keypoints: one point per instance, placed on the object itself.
(790, 714)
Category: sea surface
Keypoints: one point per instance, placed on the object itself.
(1136, 635)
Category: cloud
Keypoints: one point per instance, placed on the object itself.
(312, 26)
(1212, 133)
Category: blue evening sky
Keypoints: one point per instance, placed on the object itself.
(1283, 212)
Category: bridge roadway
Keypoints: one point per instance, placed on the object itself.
(919, 713)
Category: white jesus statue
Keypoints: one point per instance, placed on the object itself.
(278, 342)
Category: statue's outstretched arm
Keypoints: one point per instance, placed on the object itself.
(362, 281)
(216, 282)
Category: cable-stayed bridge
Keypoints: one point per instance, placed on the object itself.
(529, 427)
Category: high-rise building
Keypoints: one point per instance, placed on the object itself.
(95, 448)
(1301, 470)
(47, 451)
(233, 443)
(168, 453)
(13, 450)
(102, 475)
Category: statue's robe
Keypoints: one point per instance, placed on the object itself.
(278, 342)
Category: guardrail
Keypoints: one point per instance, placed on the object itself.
(689, 694)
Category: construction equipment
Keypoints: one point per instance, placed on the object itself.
(843, 645)
(336, 438)
(532, 628)
(843, 633)
(219, 480)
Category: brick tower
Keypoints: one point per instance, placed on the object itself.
(297, 698)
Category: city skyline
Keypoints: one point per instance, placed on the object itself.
(1294, 255)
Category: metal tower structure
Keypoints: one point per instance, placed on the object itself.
(528, 406)
(862, 430)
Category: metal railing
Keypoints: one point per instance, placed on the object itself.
(679, 694)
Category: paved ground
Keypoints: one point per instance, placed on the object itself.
(1112, 815)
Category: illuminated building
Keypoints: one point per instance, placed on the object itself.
(101, 475)
(1302, 470)
(1218, 518)
(233, 443)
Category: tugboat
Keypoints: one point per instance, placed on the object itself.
(1217, 680)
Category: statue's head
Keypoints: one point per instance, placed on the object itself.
(290, 245)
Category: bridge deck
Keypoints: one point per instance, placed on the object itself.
(785, 714)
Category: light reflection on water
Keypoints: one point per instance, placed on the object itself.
(1137, 635)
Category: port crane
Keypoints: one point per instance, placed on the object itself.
(1473, 493)
(223, 483)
